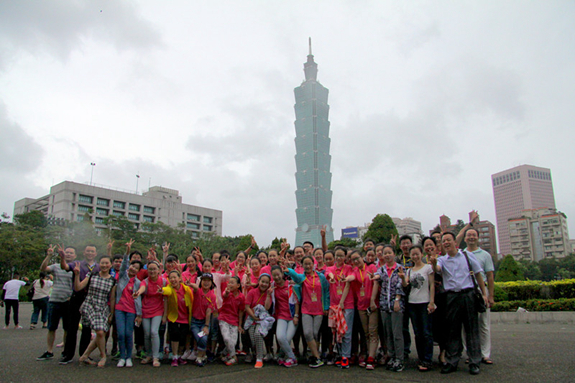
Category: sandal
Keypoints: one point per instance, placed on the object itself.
(422, 368)
(486, 361)
(156, 362)
(84, 360)
(146, 360)
(102, 362)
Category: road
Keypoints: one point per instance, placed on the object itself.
(522, 353)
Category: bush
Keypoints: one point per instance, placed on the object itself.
(536, 305)
(500, 295)
(527, 290)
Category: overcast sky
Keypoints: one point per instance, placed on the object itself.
(427, 100)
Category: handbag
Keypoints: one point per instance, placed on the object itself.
(479, 302)
(30, 293)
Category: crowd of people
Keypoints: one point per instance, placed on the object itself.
(285, 306)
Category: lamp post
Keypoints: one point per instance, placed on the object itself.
(137, 180)
(92, 173)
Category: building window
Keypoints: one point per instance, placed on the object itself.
(135, 217)
(207, 228)
(99, 220)
(117, 213)
(100, 211)
(84, 209)
(79, 218)
(195, 234)
(149, 210)
(208, 219)
(119, 205)
(193, 217)
(134, 207)
(103, 202)
(147, 218)
(191, 225)
(85, 198)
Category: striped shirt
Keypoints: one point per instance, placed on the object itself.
(62, 288)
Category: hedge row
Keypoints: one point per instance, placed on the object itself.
(536, 305)
(527, 290)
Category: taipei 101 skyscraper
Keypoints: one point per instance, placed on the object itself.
(312, 159)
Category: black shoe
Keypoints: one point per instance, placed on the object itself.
(474, 369)
(65, 360)
(448, 369)
(45, 356)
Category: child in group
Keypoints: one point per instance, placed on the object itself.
(178, 314)
(203, 307)
(286, 322)
(231, 315)
(421, 305)
(256, 297)
(391, 304)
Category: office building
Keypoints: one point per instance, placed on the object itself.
(517, 189)
(313, 176)
(539, 233)
(71, 201)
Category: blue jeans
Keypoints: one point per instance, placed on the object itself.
(197, 326)
(125, 326)
(345, 349)
(40, 304)
(421, 322)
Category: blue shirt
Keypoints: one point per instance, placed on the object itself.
(455, 271)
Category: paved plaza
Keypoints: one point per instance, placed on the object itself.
(522, 353)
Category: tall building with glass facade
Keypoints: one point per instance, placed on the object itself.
(313, 177)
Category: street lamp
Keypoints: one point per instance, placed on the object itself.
(92, 173)
(137, 180)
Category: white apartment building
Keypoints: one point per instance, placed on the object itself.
(71, 201)
(538, 234)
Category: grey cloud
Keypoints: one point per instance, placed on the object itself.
(60, 27)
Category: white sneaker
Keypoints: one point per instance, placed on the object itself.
(129, 362)
(193, 356)
(18, 327)
(121, 363)
(186, 354)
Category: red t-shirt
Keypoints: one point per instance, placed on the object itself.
(203, 301)
(267, 269)
(127, 302)
(256, 297)
(142, 274)
(336, 289)
(363, 286)
(231, 307)
(183, 313)
(189, 277)
(311, 296)
(282, 308)
(253, 279)
(152, 300)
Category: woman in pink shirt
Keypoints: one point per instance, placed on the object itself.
(252, 275)
(231, 316)
(153, 306)
(203, 307)
(341, 296)
(362, 287)
(286, 323)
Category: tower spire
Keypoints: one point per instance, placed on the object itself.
(310, 67)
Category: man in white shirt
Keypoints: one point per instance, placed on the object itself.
(10, 293)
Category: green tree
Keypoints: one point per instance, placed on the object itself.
(548, 267)
(381, 229)
(22, 249)
(509, 270)
(345, 242)
(244, 243)
(531, 270)
(34, 219)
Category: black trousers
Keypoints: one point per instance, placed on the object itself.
(406, 334)
(11, 304)
(460, 311)
(72, 334)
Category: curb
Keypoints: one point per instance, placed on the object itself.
(567, 317)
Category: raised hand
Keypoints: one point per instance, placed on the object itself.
(50, 250)
(166, 247)
(129, 245)
(77, 268)
(322, 231)
(393, 240)
(253, 244)
(61, 251)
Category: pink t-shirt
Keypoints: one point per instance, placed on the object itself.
(231, 307)
(311, 296)
(152, 300)
(203, 301)
(253, 279)
(321, 269)
(267, 269)
(363, 286)
(281, 295)
(188, 277)
(127, 302)
(336, 289)
(183, 313)
(256, 297)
